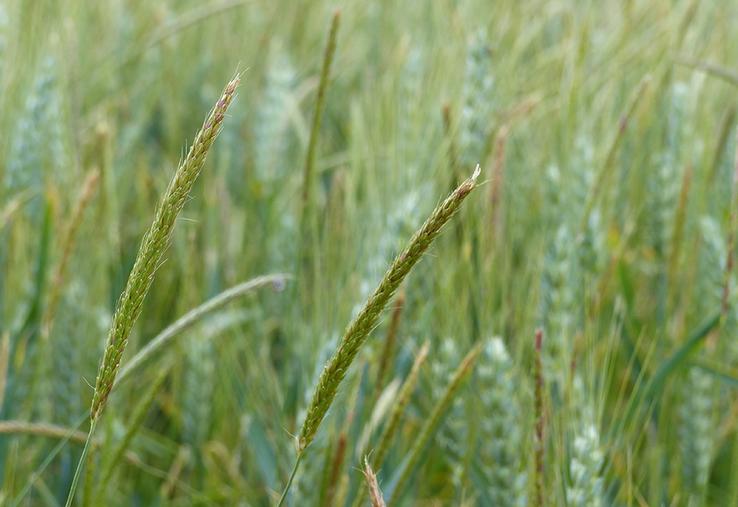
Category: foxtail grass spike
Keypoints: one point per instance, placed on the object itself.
(357, 332)
(153, 245)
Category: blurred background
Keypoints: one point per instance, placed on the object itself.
(606, 136)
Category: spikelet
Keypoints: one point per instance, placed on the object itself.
(475, 120)
(586, 458)
(711, 283)
(501, 442)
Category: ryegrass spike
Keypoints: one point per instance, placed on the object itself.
(153, 245)
(357, 332)
(150, 253)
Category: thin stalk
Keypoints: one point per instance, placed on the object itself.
(335, 470)
(289, 481)
(40, 469)
(42, 430)
(399, 408)
(80, 464)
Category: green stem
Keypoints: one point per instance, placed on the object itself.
(80, 464)
(308, 225)
(289, 481)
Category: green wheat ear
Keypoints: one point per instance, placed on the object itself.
(152, 248)
(358, 330)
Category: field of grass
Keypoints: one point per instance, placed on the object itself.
(331, 306)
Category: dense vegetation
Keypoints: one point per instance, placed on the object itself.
(297, 315)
